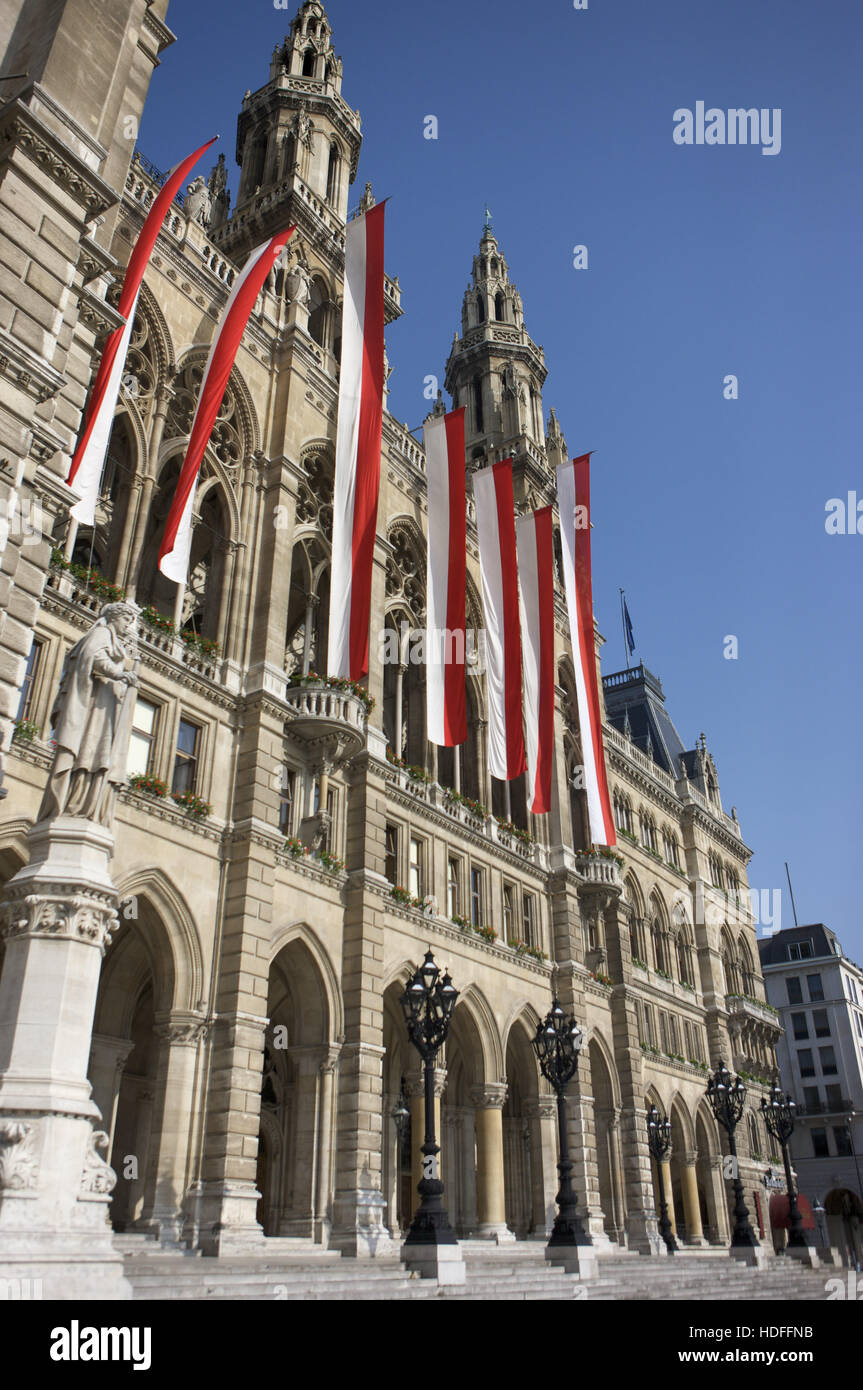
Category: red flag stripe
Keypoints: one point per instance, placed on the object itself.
(368, 445)
(545, 596)
(455, 700)
(515, 755)
(138, 262)
(219, 363)
(495, 518)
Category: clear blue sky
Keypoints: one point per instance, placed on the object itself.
(703, 261)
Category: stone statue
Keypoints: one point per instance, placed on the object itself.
(298, 285)
(197, 202)
(367, 201)
(304, 128)
(220, 198)
(92, 719)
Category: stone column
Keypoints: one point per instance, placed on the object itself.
(489, 1100)
(324, 1172)
(57, 917)
(542, 1114)
(107, 1059)
(614, 1159)
(691, 1204)
(669, 1195)
(177, 1096)
(720, 1200)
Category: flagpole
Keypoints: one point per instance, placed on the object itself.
(623, 627)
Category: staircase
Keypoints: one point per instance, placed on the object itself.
(299, 1270)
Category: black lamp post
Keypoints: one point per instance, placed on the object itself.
(557, 1044)
(727, 1095)
(778, 1116)
(428, 1002)
(659, 1143)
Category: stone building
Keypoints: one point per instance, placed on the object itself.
(248, 1051)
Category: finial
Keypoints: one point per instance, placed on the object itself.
(487, 227)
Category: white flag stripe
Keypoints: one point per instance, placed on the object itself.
(347, 440)
(88, 479)
(175, 563)
(528, 603)
(488, 535)
(437, 473)
(566, 503)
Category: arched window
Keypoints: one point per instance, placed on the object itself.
(318, 303)
(309, 59)
(648, 832)
(478, 419)
(499, 306)
(333, 174)
(729, 965)
(480, 309)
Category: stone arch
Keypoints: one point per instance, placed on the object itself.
(605, 1089)
(161, 334)
(474, 1002)
(300, 931)
(523, 1158)
(13, 856)
(180, 929)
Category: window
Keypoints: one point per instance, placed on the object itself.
(416, 878)
(478, 422)
(508, 912)
(186, 760)
(858, 1022)
(842, 1140)
(476, 897)
(821, 1023)
(286, 801)
(800, 1025)
(650, 1027)
(25, 702)
(828, 1061)
(142, 738)
(816, 988)
(806, 1061)
(329, 828)
(811, 1097)
(453, 894)
(795, 991)
(834, 1095)
(800, 950)
(391, 852)
(529, 917)
(820, 1147)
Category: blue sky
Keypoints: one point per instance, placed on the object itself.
(703, 261)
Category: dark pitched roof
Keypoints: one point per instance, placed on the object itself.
(638, 693)
(774, 949)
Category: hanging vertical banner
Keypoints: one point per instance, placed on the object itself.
(534, 537)
(573, 495)
(358, 446)
(446, 572)
(495, 524)
(177, 540)
(85, 472)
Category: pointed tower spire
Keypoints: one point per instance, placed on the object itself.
(497, 371)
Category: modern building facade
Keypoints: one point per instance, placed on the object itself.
(248, 1051)
(819, 994)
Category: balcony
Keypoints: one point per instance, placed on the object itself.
(319, 710)
(600, 870)
(842, 1106)
(741, 1008)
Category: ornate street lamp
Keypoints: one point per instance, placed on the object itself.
(727, 1095)
(557, 1044)
(659, 1143)
(778, 1116)
(428, 1002)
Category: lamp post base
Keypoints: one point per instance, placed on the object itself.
(754, 1255)
(804, 1254)
(433, 1261)
(573, 1259)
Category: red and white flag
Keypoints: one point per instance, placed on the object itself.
(358, 446)
(443, 436)
(573, 496)
(85, 472)
(534, 538)
(177, 540)
(495, 524)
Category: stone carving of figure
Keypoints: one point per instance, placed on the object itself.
(304, 128)
(92, 719)
(367, 201)
(220, 198)
(193, 599)
(298, 286)
(197, 202)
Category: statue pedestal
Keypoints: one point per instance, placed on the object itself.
(56, 917)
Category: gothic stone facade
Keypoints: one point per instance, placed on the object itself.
(248, 1049)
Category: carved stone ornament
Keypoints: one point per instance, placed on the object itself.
(19, 1165)
(98, 1178)
(80, 916)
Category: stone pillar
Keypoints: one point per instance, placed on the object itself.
(489, 1100)
(57, 917)
(542, 1115)
(177, 1096)
(691, 1204)
(614, 1159)
(107, 1059)
(720, 1200)
(668, 1193)
(324, 1173)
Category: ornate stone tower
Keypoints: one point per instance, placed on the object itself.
(298, 141)
(497, 371)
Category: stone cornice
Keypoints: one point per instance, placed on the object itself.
(29, 372)
(21, 129)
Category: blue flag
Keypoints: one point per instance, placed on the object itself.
(627, 628)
